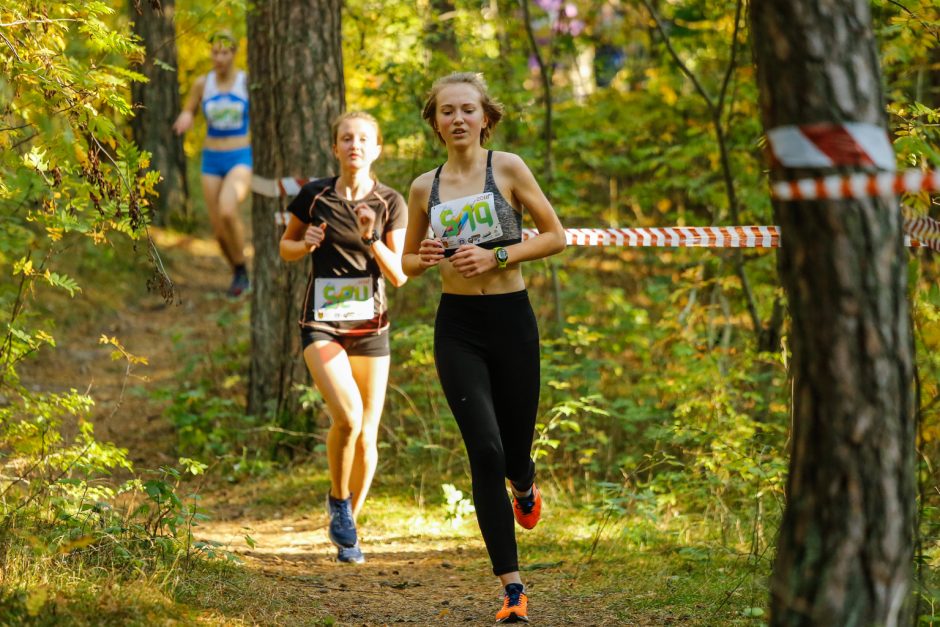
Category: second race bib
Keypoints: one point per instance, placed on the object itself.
(467, 220)
(343, 299)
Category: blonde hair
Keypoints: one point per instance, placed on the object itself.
(355, 115)
(492, 108)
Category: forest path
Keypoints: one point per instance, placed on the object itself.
(419, 569)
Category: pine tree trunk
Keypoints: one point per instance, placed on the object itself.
(844, 552)
(295, 70)
(157, 104)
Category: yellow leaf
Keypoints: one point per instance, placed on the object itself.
(77, 543)
(669, 94)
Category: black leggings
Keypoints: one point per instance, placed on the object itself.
(487, 353)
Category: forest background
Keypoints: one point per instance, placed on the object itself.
(665, 404)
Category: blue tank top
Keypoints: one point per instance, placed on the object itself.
(226, 111)
(510, 220)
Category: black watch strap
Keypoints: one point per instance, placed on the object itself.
(368, 241)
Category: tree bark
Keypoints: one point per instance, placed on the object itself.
(295, 68)
(157, 104)
(845, 547)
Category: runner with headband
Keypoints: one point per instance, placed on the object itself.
(226, 154)
(486, 341)
(353, 228)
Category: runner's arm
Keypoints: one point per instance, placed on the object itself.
(526, 191)
(185, 119)
(388, 255)
(419, 253)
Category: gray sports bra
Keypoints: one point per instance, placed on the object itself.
(509, 219)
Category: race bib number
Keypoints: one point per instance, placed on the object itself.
(225, 114)
(343, 299)
(467, 220)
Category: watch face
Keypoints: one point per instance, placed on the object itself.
(502, 255)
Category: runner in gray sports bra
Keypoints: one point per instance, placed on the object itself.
(509, 219)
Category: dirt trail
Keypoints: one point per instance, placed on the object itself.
(407, 579)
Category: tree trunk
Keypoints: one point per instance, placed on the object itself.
(158, 103)
(440, 35)
(845, 548)
(295, 69)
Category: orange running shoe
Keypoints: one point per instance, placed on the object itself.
(528, 509)
(515, 605)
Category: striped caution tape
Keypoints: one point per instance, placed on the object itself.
(277, 188)
(923, 231)
(826, 145)
(837, 186)
(920, 232)
(674, 237)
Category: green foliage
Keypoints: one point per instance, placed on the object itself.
(69, 175)
(206, 405)
(659, 404)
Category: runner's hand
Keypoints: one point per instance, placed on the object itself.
(430, 252)
(365, 219)
(183, 123)
(471, 261)
(314, 236)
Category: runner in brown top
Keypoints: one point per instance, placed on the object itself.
(353, 228)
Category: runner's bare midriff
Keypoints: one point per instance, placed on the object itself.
(493, 282)
(227, 143)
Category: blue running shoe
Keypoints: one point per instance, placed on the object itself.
(240, 284)
(350, 555)
(342, 526)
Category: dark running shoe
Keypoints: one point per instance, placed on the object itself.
(515, 605)
(350, 555)
(239, 286)
(342, 527)
(528, 509)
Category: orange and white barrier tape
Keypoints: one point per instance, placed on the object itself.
(857, 185)
(923, 231)
(674, 237)
(828, 145)
(287, 186)
(920, 232)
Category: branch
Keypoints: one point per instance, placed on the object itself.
(715, 110)
(15, 53)
(675, 55)
(927, 26)
(21, 22)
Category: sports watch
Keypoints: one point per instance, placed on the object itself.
(502, 256)
(368, 241)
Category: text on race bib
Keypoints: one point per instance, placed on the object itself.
(467, 220)
(225, 113)
(343, 299)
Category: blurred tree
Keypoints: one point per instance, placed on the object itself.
(440, 35)
(295, 66)
(157, 102)
(844, 553)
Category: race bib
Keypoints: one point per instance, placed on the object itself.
(225, 114)
(467, 220)
(343, 299)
